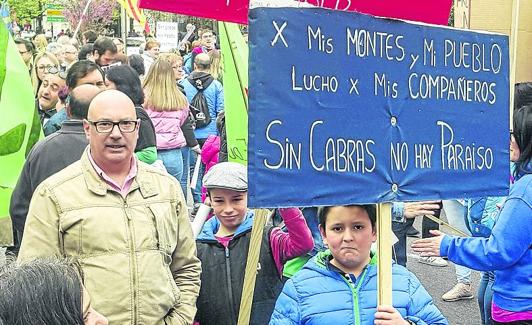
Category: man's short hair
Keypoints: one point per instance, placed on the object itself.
(205, 30)
(104, 44)
(151, 44)
(369, 208)
(203, 61)
(46, 289)
(90, 36)
(79, 70)
(28, 44)
(78, 105)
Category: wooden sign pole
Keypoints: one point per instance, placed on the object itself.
(384, 254)
(251, 266)
(513, 55)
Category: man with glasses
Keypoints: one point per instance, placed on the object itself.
(26, 50)
(70, 54)
(80, 73)
(49, 156)
(125, 221)
(48, 93)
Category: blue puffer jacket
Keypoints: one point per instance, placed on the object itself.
(319, 295)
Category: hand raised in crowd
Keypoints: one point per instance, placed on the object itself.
(387, 315)
(414, 209)
(429, 246)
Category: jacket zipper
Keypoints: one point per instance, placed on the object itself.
(133, 261)
(354, 291)
(229, 286)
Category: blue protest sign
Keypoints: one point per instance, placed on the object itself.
(349, 108)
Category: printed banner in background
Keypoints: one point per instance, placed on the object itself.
(18, 132)
(358, 109)
(236, 11)
(235, 78)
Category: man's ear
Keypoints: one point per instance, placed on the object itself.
(87, 128)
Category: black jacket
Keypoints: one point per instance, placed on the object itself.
(222, 278)
(46, 158)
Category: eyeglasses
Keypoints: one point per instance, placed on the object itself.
(22, 52)
(45, 67)
(60, 72)
(126, 126)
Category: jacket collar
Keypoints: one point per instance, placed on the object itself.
(213, 224)
(144, 181)
(72, 126)
(321, 262)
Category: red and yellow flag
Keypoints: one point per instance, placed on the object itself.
(133, 11)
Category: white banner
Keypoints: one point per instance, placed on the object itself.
(167, 35)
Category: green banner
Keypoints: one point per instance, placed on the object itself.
(235, 60)
(17, 108)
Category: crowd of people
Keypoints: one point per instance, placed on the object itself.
(102, 224)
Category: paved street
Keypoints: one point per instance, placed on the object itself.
(438, 280)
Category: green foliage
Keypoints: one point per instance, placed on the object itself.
(28, 9)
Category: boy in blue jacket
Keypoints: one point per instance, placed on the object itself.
(339, 286)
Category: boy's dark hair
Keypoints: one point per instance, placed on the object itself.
(370, 209)
(79, 70)
(104, 44)
(90, 36)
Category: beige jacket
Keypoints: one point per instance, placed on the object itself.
(137, 253)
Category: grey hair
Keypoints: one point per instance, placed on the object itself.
(43, 291)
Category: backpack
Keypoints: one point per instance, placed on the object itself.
(482, 213)
(198, 105)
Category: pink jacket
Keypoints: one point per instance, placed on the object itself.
(209, 157)
(210, 151)
(168, 128)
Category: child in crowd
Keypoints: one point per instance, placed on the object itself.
(168, 109)
(223, 247)
(339, 286)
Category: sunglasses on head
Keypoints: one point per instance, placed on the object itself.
(58, 71)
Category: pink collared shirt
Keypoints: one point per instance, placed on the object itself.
(123, 190)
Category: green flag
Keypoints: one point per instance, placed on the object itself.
(19, 126)
(235, 64)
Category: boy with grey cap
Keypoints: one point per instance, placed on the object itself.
(227, 175)
(223, 247)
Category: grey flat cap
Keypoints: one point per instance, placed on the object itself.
(227, 175)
